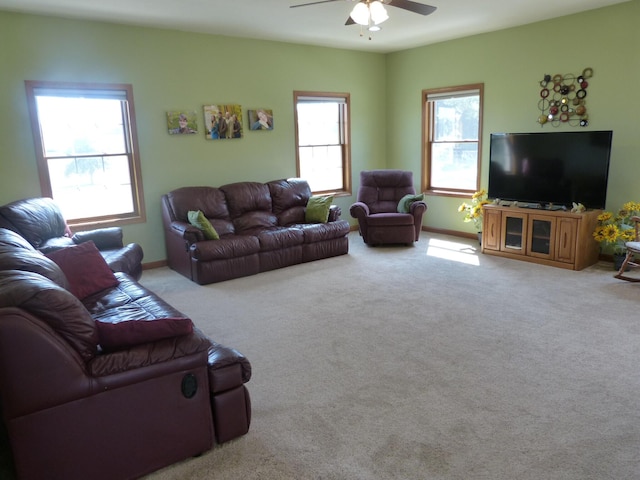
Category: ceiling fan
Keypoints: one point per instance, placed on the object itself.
(372, 12)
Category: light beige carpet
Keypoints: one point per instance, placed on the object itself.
(425, 362)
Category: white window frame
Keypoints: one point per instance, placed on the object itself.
(122, 92)
(343, 178)
(429, 97)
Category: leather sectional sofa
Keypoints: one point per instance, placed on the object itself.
(262, 226)
(99, 377)
(40, 221)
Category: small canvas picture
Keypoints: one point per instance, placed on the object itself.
(223, 121)
(260, 119)
(181, 122)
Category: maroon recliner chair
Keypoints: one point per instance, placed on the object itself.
(380, 219)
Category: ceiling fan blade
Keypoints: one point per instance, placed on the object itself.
(314, 3)
(415, 7)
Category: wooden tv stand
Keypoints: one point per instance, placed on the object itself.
(556, 238)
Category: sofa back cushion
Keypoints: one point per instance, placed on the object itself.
(249, 206)
(289, 198)
(36, 219)
(209, 200)
(52, 304)
(18, 254)
(381, 190)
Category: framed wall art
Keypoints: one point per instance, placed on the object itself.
(223, 121)
(260, 119)
(182, 122)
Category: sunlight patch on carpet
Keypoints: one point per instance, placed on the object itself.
(448, 250)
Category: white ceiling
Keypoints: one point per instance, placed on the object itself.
(321, 24)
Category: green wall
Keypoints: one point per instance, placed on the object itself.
(176, 70)
(511, 64)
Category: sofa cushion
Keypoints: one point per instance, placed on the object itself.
(279, 238)
(404, 205)
(249, 206)
(85, 269)
(317, 210)
(289, 198)
(319, 232)
(254, 220)
(198, 220)
(145, 355)
(388, 219)
(116, 332)
(46, 300)
(37, 219)
(232, 246)
(18, 254)
(210, 201)
(130, 314)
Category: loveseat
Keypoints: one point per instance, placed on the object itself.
(40, 221)
(99, 377)
(261, 227)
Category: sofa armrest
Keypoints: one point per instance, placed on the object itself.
(29, 382)
(187, 231)
(334, 213)
(104, 238)
(108, 368)
(359, 210)
(220, 359)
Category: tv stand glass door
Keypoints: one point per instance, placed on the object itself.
(514, 233)
(542, 230)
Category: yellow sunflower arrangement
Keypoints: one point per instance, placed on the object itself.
(473, 210)
(615, 230)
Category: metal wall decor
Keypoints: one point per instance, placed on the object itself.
(563, 99)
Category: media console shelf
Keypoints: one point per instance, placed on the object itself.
(549, 237)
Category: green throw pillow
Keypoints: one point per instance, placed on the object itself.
(318, 208)
(197, 219)
(405, 202)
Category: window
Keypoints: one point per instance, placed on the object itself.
(87, 150)
(323, 155)
(452, 126)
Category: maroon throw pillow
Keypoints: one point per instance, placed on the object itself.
(113, 333)
(85, 269)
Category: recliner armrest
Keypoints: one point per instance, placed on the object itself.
(334, 213)
(359, 210)
(105, 238)
(187, 231)
(418, 208)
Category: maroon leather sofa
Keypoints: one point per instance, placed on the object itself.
(40, 221)
(261, 226)
(79, 402)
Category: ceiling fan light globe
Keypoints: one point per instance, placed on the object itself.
(378, 12)
(360, 14)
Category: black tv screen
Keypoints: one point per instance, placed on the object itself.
(556, 168)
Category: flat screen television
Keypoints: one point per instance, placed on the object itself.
(550, 169)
